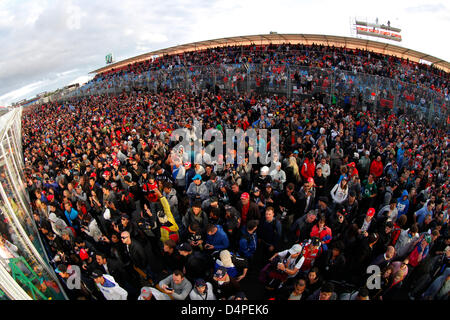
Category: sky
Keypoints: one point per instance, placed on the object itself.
(48, 44)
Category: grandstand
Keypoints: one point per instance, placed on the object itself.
(378, 75)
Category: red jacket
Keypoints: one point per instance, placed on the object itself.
(322, 234)
(309, 256)
(308, 169)
(376, 168)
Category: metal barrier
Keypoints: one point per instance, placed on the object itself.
(24, 257)
(293, 80)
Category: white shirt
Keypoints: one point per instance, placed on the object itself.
(291, 262)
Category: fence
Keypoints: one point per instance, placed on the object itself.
(332, 85)
(25, 272)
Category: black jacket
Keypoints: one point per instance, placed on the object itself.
(137, 255)
(331, 269)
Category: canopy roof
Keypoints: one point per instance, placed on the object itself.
(275, 38)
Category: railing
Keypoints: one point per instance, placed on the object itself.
(23, 256)
(345, 87)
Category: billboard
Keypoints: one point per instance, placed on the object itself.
(375, 29)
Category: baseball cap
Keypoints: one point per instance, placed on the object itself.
(269, 185)
(351, 165)
(52, 217)
(146, 292)
(371, 212)
(296, 151)
(187, 164)
(197, 177)
(220, 272)
(200, 283)
(96, 274)
(245, 196)
(50, 197)
(184, 247)
(296, 248)
(315, 241)
(310, 180)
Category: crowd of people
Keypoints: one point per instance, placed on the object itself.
(114, 200)
(320, 56)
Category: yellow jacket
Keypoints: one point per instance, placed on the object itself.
(174, 227)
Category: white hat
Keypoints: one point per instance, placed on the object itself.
(296, 248)
(52, 217)
(264, 170)
(225, 258)
(107, 214)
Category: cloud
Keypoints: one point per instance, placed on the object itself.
(18, 93)
(427, 8)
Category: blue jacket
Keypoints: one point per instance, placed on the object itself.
(219, 240)
(71, 216)
(247, 244)
(400, 153)
(360, 130)
(270, 232)
(421, 213)
(402, 205)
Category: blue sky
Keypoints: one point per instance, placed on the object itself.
(47, 44)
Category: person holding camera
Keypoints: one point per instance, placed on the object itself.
(285, 265)
(176, 286)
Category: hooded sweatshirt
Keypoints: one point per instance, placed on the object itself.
(403, 205)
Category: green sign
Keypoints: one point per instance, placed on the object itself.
(109, 58)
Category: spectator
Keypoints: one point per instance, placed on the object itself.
(340, 191)
(197, 190)
(269, 234)
(216, 239)
(202, 290)
(248, 242)
(108, 286)
(176, 286)
(326, 292)
(150, 293)
(224, 285)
